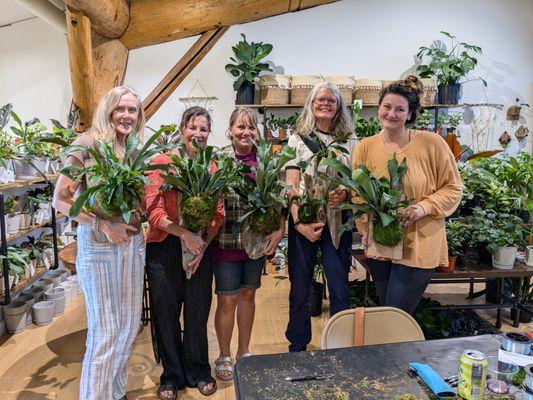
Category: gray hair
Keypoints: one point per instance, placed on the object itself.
(341, 122)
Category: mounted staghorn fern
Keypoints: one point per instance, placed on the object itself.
(263, 198)
(200, 187)
(382, 198)
(115, 186)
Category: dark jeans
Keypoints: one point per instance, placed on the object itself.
(184, 354)
(302, 255)
(398, 285)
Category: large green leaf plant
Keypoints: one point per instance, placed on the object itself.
(199, 185)
(247, 63)
(116, 185)
(448, 64)
(382, 198)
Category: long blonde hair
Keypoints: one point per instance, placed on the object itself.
(341, 123)
(102, 126)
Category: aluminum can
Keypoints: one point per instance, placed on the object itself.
(472, 375)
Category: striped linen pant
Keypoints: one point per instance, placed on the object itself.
(111, 277)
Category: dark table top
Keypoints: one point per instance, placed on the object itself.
(367, 372)
(471, 268)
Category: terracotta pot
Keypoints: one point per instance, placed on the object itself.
(452, 262)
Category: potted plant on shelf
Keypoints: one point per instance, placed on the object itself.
(262, 198)
(382, 198)
(457, 237)
(448, 66)
(12, 217)
(7, 148)
(115, 185)
(33, 154)
(247, 66)
(501, 234)
(200, 185)
(453, 122)
(423, 120)
(61, 137)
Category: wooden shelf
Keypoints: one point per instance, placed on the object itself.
(19, 287)
(24, 232)
(20, 183)
(464, 105)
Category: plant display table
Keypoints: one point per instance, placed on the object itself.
(366, 372)
(474, 272)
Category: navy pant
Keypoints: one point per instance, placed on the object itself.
(302, 255)
(183, 352)
(398, 285)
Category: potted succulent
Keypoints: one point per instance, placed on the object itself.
(423, 120)
(448, 65)
(247, 66)
(457, 238)
(500, 233)
(382, 199)
(364, 128)
(200, 185)
(115, 185)
(12, 216)
(262, 198)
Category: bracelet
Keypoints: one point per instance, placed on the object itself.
(96, 222)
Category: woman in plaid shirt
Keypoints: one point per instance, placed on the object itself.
(236, 275)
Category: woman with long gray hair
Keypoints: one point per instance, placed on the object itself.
(324, 119)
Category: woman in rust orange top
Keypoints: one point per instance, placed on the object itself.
(185, 358)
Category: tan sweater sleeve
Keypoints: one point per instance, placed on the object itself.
(444, 201)
(361, 223)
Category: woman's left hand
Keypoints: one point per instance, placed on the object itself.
(411, 214)
(273, 240)
(336, 197)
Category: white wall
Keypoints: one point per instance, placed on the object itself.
(365, 38)
(34, 70)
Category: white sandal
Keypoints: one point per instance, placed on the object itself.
(220, 367)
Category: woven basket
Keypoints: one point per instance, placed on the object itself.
(430, 92)
(345, 84)
(385, 83)
(367, 90)
(301, 87)
(274, 89)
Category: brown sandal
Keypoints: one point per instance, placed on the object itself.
(168, 387)
(202, 383)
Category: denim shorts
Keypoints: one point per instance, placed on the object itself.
(231, 277)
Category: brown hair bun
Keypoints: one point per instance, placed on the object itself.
(414, 83)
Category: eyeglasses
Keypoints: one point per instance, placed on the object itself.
(322, 101)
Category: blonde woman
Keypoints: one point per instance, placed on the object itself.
(325, 116)
(110, 261)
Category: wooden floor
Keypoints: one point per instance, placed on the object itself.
(45, 362)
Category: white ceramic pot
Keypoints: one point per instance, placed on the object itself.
(43, 313)
(504, 258)
(15, 316)
(36, 292)
(23, 221)
(24, 170)
(57, 295)
(55, 277)
(13, 224)
(30, 301)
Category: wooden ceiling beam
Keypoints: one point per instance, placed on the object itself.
(109, 18)
(159, 21)
(81, 65)
(180, 71)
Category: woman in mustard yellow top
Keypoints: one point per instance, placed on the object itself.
(432, 184)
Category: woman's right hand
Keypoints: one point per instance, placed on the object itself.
(312, 231)
(116, 232)
(193, 242)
